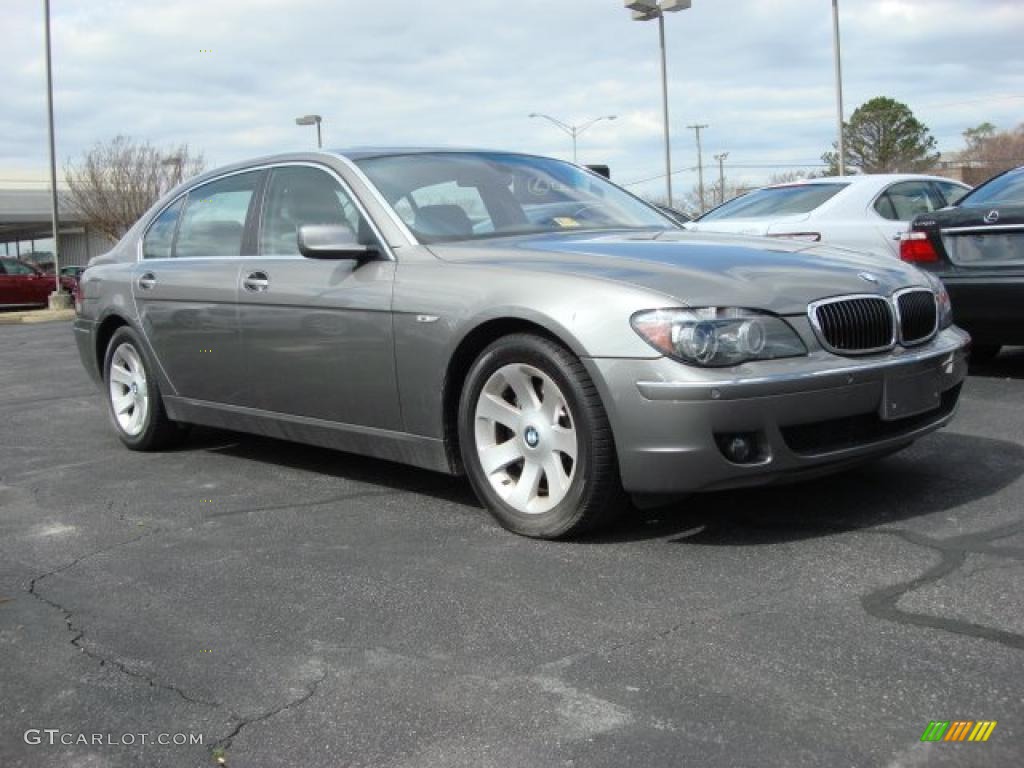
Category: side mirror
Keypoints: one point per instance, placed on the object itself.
(332, 241)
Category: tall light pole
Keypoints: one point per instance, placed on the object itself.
(700, 164)
(646, 10)
(312, 120)
(573, 130)
(721, 176)
(58, 299)
(841, 146)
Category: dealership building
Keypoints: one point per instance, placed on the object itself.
(26, 228)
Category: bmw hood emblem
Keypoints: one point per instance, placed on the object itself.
(992, 217)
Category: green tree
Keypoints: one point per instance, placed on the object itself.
(883, 136)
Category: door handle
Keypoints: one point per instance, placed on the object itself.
(146, 281)
(257, 282)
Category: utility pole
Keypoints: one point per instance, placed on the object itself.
(841, 145)
(721, 176)
(58, 298)
(700, 165)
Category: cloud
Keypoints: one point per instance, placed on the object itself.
(229, 77)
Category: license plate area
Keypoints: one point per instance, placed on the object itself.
(906, 396)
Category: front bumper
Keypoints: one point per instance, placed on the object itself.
(810, 415)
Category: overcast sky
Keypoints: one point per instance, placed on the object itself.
(461, 72)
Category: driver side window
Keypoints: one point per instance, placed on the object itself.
(299, 195)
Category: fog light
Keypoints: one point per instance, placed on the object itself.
(740, 447)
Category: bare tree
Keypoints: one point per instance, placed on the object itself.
(115, 183)
(993, 149)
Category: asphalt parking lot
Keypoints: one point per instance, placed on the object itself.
(299, 607)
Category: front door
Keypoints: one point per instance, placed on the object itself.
(186, 288)
(317, 334)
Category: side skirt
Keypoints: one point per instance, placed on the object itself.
(401, 447)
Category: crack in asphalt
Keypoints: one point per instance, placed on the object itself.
(882, 602)
(242, 723)
(953, 551)
(78, 633)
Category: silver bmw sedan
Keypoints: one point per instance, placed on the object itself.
(513, 318)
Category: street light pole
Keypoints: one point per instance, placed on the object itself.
(700, 165)
(57, 300)
(312, 120)
(664, 106)
(721, 176)
(647, 10)
(573, 130)
(841, 145)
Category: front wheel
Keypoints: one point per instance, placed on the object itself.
(133, 396)
(535, 440)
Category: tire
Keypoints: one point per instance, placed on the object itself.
(552, 470)
(134, 402)
(984, 353)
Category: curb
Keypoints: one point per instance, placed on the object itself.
(36, 316)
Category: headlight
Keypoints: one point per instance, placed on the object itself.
(717, 336)
(942, 299)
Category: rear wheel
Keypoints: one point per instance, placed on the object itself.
(535, 440)
(134, 402)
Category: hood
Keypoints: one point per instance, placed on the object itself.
(697, 268)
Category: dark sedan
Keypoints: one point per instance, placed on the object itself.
(977, 249)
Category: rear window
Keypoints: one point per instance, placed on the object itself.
(776, 201)
(1007, 189)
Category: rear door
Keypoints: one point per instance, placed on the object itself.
(186, 287)
(318, 333)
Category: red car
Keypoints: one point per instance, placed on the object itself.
(23, 285)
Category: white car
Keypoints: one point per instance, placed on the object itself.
(866, 213)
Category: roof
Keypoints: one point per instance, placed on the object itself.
(880, 179)
(31, 206)
(363, 153)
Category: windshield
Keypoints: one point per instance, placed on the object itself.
(448, 196)
(1007, 189)
(775, 201)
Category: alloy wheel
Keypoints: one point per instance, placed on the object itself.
(129, 390)
(526, 438)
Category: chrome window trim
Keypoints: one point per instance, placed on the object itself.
(263, 167)
(899, 318)
(379, 197)
(812, 316)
